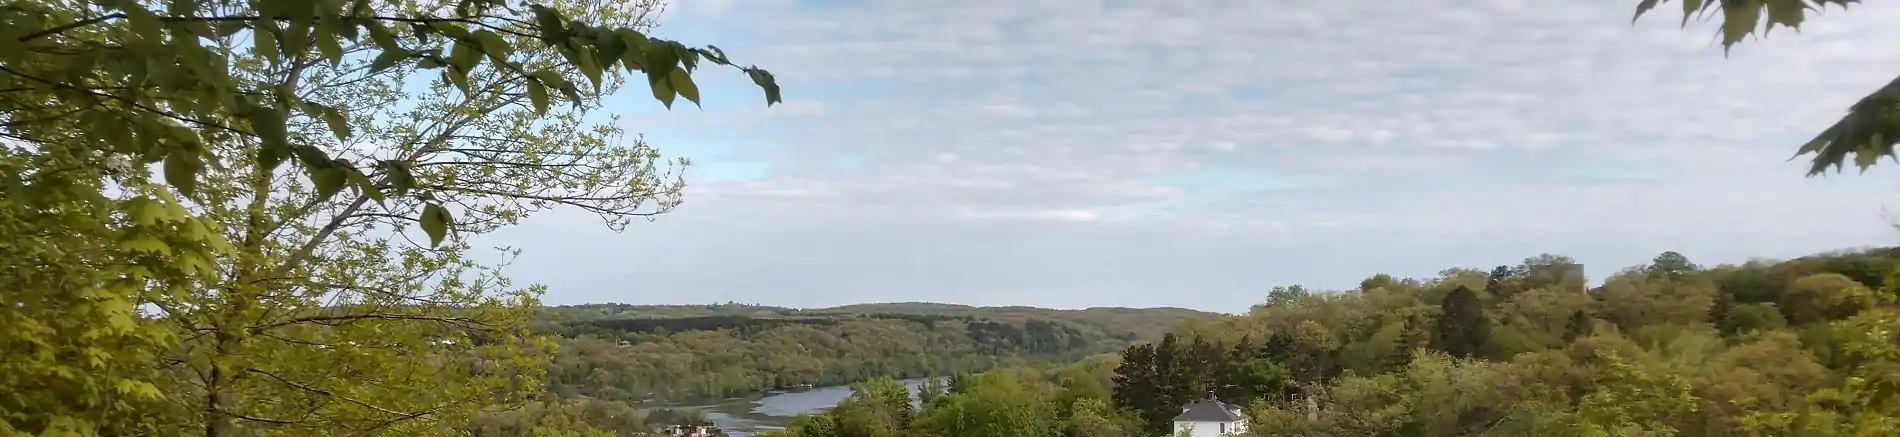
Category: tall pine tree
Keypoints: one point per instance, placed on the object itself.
(1137, 385)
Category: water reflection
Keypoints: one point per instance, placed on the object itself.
(745, 417)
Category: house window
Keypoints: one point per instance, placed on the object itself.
(1223, 428)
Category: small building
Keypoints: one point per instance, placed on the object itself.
(1210, 418)
(694, 431)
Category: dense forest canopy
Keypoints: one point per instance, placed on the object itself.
(684, 353)
(1801, 347)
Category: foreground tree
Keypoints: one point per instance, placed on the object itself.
(1872, 125)
(284, 306)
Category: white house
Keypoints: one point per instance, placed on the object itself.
(1209, 418)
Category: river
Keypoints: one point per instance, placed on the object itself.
(748, 416)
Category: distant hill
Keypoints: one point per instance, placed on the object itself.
(1137, 324)
(686, 352)
(1147, 324)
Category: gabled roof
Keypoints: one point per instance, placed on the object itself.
(1211, 410)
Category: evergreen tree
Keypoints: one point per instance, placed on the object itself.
(1137, 381)
(1579, 326)
(1463, 331)
(1719, 311)
(1280, 347)
(1231, 382)
(1410, 339)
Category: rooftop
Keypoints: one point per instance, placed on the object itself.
(1210, 410)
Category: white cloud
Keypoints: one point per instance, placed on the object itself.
(1439, 123)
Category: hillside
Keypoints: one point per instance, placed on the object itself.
(1146, 324)
(1669, 348)
(635, 353)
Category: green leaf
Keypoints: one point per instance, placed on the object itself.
(1788, 13)
(1642, 8)
(465, 55)
(310, 155)
(662, 90)
(421, 32)
(296, 36)
(227, 28)
(660, 60)
(688, 57)
(589, 66)
(635, 44)
(381, 35)
(549, 22)
(269, 126)
(268, 157)
(765, 81)
(264, 40)
(338, 122)
(181, 172)
(717, 56)
(340, 27)
(538, 95)
(145, 243)
(459, 78)
(435, 222)
(363, 183)
(683, 83)
(144, 23)
(1739, 20)
(398, 175)
(143, 211)
(1689, 9)
(388, 58)
(329, 44)
(328, 177)
(137, 389)
(493, 45)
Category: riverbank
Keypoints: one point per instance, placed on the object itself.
(748, 416)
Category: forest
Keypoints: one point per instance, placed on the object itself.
(261, 218)
(692, 353)
(616, 367)
(1800, 347)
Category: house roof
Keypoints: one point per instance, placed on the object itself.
(1211, 410)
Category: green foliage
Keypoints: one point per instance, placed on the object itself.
(1463, 331)
(155, 85)
(1016, 402)
(1627, 401)
(629, 353)
(1156, 380)
(1656, 362)
(224, 294)
(1872, 125)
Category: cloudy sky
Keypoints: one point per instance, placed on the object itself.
(1076, 153)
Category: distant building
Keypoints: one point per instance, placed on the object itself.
(694, 431)
(1210, 418)
(1573, 274)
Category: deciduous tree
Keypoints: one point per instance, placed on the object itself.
(289, 307)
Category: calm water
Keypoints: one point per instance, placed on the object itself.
(743, 417)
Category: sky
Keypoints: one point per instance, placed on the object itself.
(1187, 153)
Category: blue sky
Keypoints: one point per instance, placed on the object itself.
(1081, 153)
